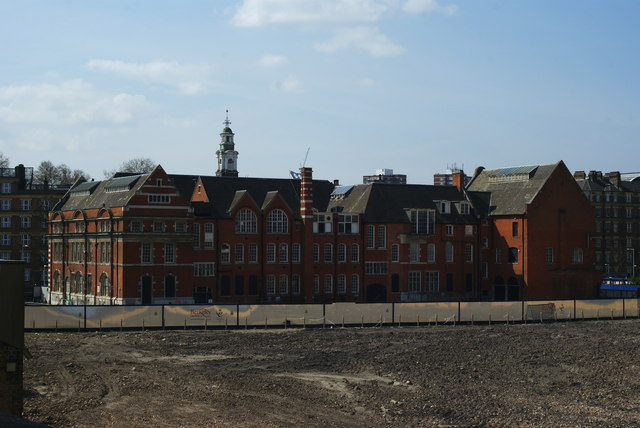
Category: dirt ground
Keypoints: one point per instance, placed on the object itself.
(564, 374)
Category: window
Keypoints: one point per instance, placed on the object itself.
(169, 253)
(322, 223)
(5, 222)
(253, 253)
(468, 253)
(485, 243)
(629, 212)
(576, 256)
(548, 256)
(5, 239)
(316, 284)
(328, 253)
(484, 270)
(498, 255)
(225, 254)
(598, 212)
(25, 222)
(371, 236)
(295, 253)
(342, 284)
(5, 255)
(246, 222)
(355, 253)
(180, 227)
(431, 253)
(208, 235)
(27, 275)
(382, 237)
(395, 253)
(105, 252)
(204, 269)
(135, 226)
(629, 227)
(105, 285)
(25, 240)
(25, 256)
(375, 268)
(414, 282)
(145, 252)
(271, 285)
(432, 281)
(6, 187)
(283, 254)
(284, 284)
(277, 222)
(513, 255)
(6, 205)
(355, 284)
(316, 253)
(414, 253)
(448, 230)
(342, 253)
(238, 254)
(271, 253)
(514, 229)
(196, 235)
(328, 284)
(629, 197)
(25, 204)
(448, 252)
(295, 284)
(348, 223)
(422, 222)
(445, 207)
(169, 286)
(159, 199)
(46, 205)
(158, 226)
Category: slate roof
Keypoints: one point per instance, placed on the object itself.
(388, 203)
(221, 192)
(96, 194)
(511, 189)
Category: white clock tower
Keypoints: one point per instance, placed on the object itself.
(227, 155)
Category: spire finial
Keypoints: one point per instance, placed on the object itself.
(227, 122)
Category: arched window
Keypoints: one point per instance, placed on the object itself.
(277, 222)
(57, 281)
(246, 221)
(105, 285)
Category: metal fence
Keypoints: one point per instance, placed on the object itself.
(335, 314)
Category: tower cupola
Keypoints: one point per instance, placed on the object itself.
(226, 154)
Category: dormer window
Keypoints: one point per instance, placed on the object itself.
(445, 207)
(464, 208)
(422, 221)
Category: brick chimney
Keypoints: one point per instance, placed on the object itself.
(613, 177)
(306, 212)
(457, 179)
(579, 175)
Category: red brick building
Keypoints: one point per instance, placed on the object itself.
(534, 233)
(157, 238)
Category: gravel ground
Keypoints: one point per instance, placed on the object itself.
(583, 374)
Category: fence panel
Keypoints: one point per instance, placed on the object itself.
(200, 315)
(358, 313)
(632, 307)
(280, 315)
(53, 317)
(491, 311)
(541, 310)
(605, 308)
(441, 312)
(124, 316)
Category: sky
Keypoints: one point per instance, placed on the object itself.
(345, 87)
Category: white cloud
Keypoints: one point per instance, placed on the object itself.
(291, 84)
(259, 13)
(364, 38)
(428, 6)
(188, 79)
(68, 103)
(366, 81)
(272, 60)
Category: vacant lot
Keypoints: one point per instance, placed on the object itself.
(559, 374)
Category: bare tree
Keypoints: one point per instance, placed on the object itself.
(135, 165)
(57, 175)
(4, 161)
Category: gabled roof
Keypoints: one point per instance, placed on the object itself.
(113, 192)
(381, 202)
(222, 192)
(511, 189)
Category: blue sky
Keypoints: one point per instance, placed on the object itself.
(410, 85)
